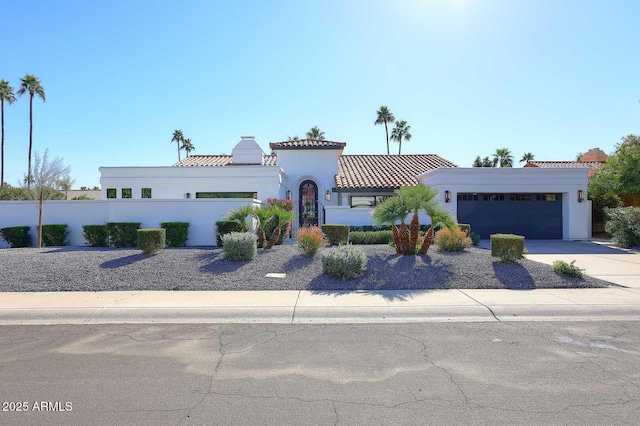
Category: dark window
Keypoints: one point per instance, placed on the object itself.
(521, 197)
(368, 201)
(546, 197)
(126, 192)
(111, 193)
(226, 194)
(467, 197)
(493, 197)
(146, 193)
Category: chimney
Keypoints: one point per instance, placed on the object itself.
(247, 151)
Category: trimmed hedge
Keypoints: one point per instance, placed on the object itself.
(96, 235)
(240, 245)
(224, 227)
(54, 235)
(374, 228)
(507, 247)
(177, 233)
(151, 240)
(370, 237)
(345, 262)
(336, 234)
(465, 227)
(16, 236)
(123, 234)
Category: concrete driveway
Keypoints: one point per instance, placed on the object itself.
(598, 259)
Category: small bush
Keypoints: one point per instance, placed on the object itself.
(96, 235)
(177, 233)
(309, 240)
(507, 247)
(466, 228)
(16, 236)
(54, 235)
(224, 227)
(370, 237)
(151, 240)
(123, 234)
(623, 223)
(240, 245)
(475, 239)
(565, 268)
(452, 239)
(344, 262)
(336, 234)
(370, 228)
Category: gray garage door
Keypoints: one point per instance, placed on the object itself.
(536, 216)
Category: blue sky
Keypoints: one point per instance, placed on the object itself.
(545, 76)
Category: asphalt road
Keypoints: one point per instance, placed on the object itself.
(453, 373)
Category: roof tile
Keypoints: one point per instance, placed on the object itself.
(306, 143)
(220, 160)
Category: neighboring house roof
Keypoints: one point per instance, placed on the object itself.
(307, 144)
(221, 160)
(595, 154)
(385, 171)
(563, 164)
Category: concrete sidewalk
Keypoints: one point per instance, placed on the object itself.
(303, 307)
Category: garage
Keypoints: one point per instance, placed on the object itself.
(534, 215)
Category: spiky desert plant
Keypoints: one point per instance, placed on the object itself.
(263, 215)
(282, 218)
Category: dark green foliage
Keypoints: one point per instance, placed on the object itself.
(151, 240)
(123, 234)
(54, 235)
(466, 228)
(240, 245)
(562, 267)
(475, 239)
(224, 227)
(336, 234)
(370, 237)
(16, 236)
(96, 235)
(177, 233)
(623, 223)
(370, 228)
(270, 227)
(507, 247)
(345, 262)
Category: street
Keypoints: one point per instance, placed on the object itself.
(572, 373)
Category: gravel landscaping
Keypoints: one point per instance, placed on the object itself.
(204, 268)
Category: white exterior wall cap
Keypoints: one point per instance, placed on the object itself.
(179, 172)
(477, 176)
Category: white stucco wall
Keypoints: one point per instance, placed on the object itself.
(575, 215)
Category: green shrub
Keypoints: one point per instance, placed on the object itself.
(452, 239)
(240, 245)
(309, 240)
(123, 234)
(374, 228)
(16, 236)
(465, 227)
(507, 247)
(224, 227)
(177, 233)
(475, 238)
(623, 223)
(344, 262)
(96, 235)
(151, 240)
(565, 268)
(54, 235)
(370, 237)
(336, 234)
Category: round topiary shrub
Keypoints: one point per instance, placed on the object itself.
(240, 245)
(151, 240)
(345, 262)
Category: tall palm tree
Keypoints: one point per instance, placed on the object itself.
(315, 133)
(65, 184)
(187, 146)
(295, 138)
(178, 137)
(385, 116)
(31, 84)
(401, 131)
(6, 94)
(503, 157)
(527, 157)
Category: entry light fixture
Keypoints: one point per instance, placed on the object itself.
(327, 195)
(187, 195)
(288, 194)
(447, 196)
(580, 196)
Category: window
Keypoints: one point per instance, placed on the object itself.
(146, 193)
(521, 197)
(467, 197)
(226, 195)
(111, 193)
(126, 192)
(368, 201)
(493, 197)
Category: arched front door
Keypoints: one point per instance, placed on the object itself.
(308, 204)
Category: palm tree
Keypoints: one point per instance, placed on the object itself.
(295, 138)
(385, 116)
(527, 157)
(503, 157)
(178, 137)
(315, 133)
(31, 84)
(65, 184)
(187, 146)
(401, 131)
(6, 94)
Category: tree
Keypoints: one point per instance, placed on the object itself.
(65, 184)
(6, 94)
(295, 138)
(526, 157)
(385, 116)
(187, 146)
(45, 177)
(620, 174)
(503, 157)
(11, 193)
(315, 133)
(485, 162)
(178, 138)
(401, 131)
(579, 156)
(31, 84)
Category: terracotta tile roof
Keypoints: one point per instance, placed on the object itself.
(385, 171)
(306, 143)
(564, 164)
(219, 160)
